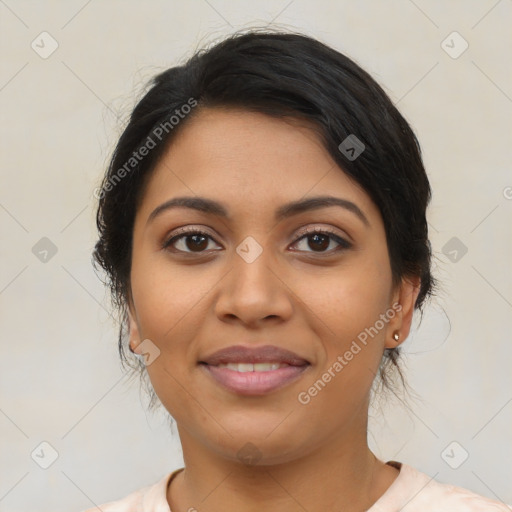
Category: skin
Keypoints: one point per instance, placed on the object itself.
(310, 298)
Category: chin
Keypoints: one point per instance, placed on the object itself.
(255, 447)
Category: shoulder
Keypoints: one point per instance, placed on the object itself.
(455, 499)
(422, 493)
(131, 503)
(151, 497)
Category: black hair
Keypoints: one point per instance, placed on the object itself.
(283, 75)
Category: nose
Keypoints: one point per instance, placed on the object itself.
(253, 292)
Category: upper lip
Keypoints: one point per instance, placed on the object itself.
(263, 354)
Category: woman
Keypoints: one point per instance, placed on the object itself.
(262, 226)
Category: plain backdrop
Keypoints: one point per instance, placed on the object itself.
(447, 67)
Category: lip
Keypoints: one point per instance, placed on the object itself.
(263, 354)
(254, 383)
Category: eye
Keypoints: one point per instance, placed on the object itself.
(320, 240)
(196, 241)
(191, 240)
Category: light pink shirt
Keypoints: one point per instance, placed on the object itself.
(412, 491)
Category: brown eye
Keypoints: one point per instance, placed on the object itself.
(320, 240)
(192, 241)
(197, 241)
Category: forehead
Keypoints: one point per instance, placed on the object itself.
(250, 162)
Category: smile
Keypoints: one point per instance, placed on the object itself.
(253, 378)
(250, 367)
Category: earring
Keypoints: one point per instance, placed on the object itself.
(396, 336)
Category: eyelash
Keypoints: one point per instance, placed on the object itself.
(343, 244)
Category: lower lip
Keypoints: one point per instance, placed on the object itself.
(254, 383)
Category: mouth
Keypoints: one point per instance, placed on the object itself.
(252, 367)
(254, 371)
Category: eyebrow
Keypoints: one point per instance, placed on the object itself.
(285, 211)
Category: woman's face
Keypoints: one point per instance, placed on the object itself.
(255, 278)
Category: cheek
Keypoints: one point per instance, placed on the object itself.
(166, 296)
(168, 304)
(350, 298)
(347, 306)
(346, 312)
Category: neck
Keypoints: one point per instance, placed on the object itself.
(342, 474)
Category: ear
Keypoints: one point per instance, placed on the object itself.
(133, 327)
(405, 295)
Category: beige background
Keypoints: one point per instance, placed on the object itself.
(60, 379)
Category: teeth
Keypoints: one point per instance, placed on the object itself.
(250, 367)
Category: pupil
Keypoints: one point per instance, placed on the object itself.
(197, 245)
(325, 238)
(321, 241)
